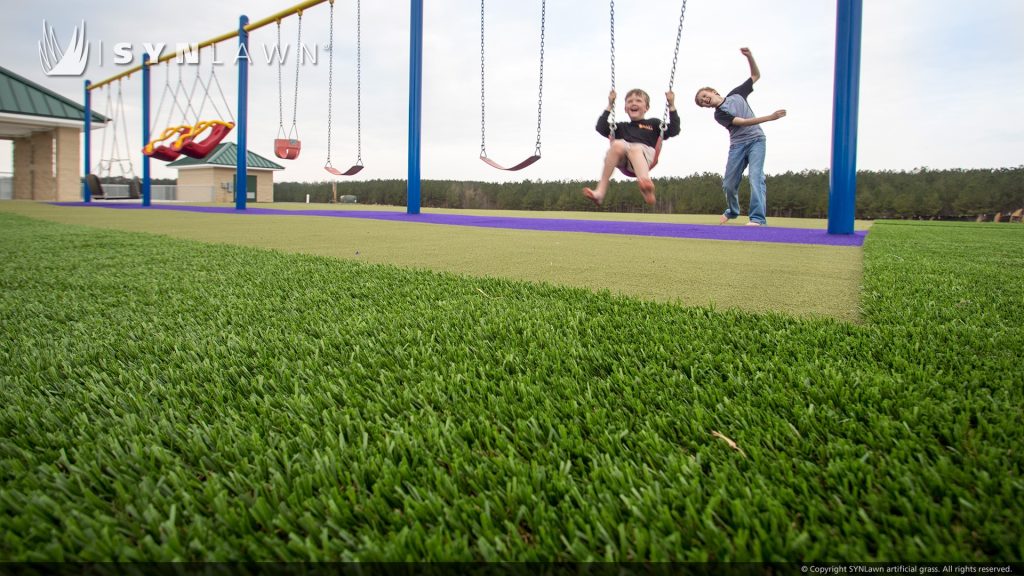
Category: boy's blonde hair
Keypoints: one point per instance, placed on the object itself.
(640, 93)
(696, 97)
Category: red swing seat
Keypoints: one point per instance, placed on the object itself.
(188, 145)
(287, 148)
(519, 166)
(350, 172)
(654, 161)
(162, 151)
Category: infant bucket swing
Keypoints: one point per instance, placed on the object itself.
(287, 146)
(483, 105)
(359, 103)
(671, 82)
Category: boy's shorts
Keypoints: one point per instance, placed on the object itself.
(625, 164)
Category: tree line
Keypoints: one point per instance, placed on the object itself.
(917, 194)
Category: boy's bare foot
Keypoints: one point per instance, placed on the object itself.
(592, 196)
(647, 189)
(723, 219)
(753, 224)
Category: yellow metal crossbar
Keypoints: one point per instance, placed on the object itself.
(215, 40)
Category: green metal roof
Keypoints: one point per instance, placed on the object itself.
(20, 95)
(226, 154)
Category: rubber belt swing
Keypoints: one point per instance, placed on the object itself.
(483, 105)
(355, 168)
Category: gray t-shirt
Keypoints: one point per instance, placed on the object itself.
(736, 106)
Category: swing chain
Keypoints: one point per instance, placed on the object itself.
(540, 89)
(124, 129)
(611, 115)
(280, 90)
(359, 82)
(295, 102)
(483, 101)
(675, 60)
(330, 83)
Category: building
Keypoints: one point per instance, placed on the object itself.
(217, 172)
(45, 128)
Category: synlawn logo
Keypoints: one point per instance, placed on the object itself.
(69, 61)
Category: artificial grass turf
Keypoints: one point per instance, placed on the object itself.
(795, 279)
(166, 399)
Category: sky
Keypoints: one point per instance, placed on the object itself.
(940, 79)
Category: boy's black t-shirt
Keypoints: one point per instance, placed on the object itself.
(644, 131)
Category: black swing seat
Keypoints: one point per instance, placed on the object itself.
(519, 166)
(97, 192)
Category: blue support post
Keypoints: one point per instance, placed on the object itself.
(146, 197)
(842, 198)
(242, 171)
(86, 192)
(415, 105)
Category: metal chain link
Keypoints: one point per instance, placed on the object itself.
(294, 132)
(675, 60)
(330, 83)
(611, 115)
(280, 90)
(483, 105)
(124, 128)
(100, 164)
(359, 82)
(540, 89)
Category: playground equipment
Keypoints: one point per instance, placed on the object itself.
(671, 82)
(483, 99)
(844, 119)
(287, 146)
(355, 168)
(114, 157)
(184, 134)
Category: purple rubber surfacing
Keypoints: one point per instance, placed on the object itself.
(655, 229)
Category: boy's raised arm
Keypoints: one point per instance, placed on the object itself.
(755, 72)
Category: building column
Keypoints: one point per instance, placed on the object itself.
(69, 183)
(44, 183)
(22, 185)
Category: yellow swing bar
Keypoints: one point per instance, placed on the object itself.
(215, 40)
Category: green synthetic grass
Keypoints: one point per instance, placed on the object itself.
(167, 399)
(795, 279)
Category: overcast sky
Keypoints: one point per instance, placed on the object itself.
(941, 82)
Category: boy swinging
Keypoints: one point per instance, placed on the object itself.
(632, 146)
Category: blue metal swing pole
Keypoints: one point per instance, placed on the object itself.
(842, 199)
(242, 171)
(146, 197)
(412, 204)
(86, 193)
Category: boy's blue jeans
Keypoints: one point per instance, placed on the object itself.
(740, 157)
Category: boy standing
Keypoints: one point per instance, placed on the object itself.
(746, 143)
(634, 143)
